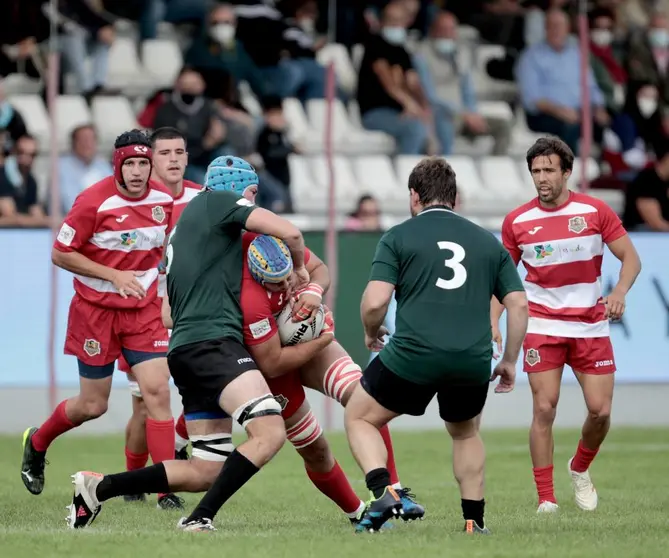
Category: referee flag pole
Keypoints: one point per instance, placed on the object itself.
(51, 77)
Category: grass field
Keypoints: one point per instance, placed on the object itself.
(279, 514)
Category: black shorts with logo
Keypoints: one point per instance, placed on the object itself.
(201, 371)
(457, 403)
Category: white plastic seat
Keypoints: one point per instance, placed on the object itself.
(162, 59)
(35, 116)
(502, 179)
(337, 54)
(592, 172)
(347, 191)
(306, 196)
(112, 116)
(125, 70)
(613, 198)
(376, 176)
(468, 179)
(71, 111)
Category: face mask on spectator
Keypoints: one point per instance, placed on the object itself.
(444, 46)
(394, 35)
(188, 98)
(601, 37)
(659, 38)
(222, 33)
(647, 106)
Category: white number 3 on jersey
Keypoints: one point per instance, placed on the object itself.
(454, 263)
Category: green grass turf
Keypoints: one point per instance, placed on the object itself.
(280, 513)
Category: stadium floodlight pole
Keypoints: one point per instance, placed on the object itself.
(331, 231)
(586, 108)
(52, 73)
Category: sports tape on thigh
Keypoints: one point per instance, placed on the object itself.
(305, 432)
(212, 447)
(262, 406)
(134, 389)
(339, 376)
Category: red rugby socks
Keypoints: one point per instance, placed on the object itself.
(390, 464)
(134, 461)
(58, 423)
(543, 478)
(182, 433)
(335, 486)
(583, 458)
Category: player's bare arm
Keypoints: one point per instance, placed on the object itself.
(496, 311)
(516, 325)
(166, 312)
(310, 298)
(623, 249)
(265, 222)
(373, 309)
(125, 281)
(275, 360)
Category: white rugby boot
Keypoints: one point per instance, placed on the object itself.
(584, 491)
(85, 505)
(195, 525)
(547, 507)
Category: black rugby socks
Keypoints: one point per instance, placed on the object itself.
(377, 480)
(151, 480)
(236, 472)
(473, 509)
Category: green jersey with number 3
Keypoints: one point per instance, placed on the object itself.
(204, 262)
(445, 270)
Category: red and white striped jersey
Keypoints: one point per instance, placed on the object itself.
(562, 251)
(119, 232)
(188, 192)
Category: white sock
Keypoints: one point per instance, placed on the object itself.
(179, 442)
(397, 486)
(355, 514)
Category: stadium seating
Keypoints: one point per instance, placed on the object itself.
(109, 128)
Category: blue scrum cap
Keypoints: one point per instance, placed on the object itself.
(269, 259)
(232, 174)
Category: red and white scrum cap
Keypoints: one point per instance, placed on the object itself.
(128, 152)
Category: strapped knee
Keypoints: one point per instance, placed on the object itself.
(212, 447)
(305, 432)
(134, 389)
(263, 406)
(340, 375)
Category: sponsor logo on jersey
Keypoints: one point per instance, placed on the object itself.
(244, 202)
(128, 239)
(532, 357)
(535, 230)
(281, 400)
(161, 343)
(66, 234)
(244, 360)
(158, 214)
(543, 251)
(260, 329)
(602, 363)
(122, 218)
(92, 347)
(577, 224)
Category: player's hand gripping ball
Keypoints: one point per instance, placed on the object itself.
(292, 333)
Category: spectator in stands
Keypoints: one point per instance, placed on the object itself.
(10, 120)
(19, 206)
(22, 27)
(82, 167)
(389, 93)
(647, 66)
(196, 117)
(647, 199)
(216, 53)
(274, 147)
(85, 31)
(366, 217)
(550, 84)
(444, 70)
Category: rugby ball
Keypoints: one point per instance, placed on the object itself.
(292, 333)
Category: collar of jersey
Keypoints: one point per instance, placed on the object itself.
(436, 208)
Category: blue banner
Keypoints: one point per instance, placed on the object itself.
(640, 340)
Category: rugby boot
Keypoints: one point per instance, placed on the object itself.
(547, 507)
(412, 509)
(85, 505)
(170, 502)
(380, 510)
(472, 528)
(32, 466)
(182, 454)
(196, 525)
(135, 497)
(584, 491)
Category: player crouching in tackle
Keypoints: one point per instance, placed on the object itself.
(212, 370)
(112, 240)
(320, 364)
(442, 342)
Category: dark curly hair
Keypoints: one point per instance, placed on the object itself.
(133, 137)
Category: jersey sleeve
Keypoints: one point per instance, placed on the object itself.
(259, 323)
(610, 224)
(78, 226)
(508, 280)
(386, 264)
(225, 209)
(509, 240)
(307, 255)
